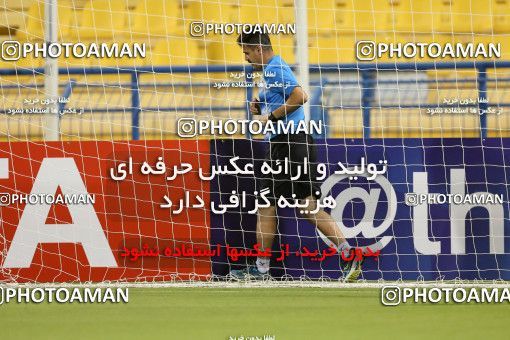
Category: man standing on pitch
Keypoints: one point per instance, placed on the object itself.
(282, 99)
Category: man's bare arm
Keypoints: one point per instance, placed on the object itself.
(296, 99)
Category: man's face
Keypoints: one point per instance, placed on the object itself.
(253, 55)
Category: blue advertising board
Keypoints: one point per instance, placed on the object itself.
(422, 241)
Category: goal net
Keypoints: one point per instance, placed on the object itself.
(135, 161)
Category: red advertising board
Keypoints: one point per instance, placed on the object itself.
(56, 242)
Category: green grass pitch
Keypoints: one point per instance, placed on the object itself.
(285, 313)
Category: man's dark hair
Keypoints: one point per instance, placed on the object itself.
(255, 39)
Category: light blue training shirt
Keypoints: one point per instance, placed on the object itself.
(280, 82)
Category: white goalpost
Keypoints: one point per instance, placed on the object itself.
(302, 50)
(51, 81)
